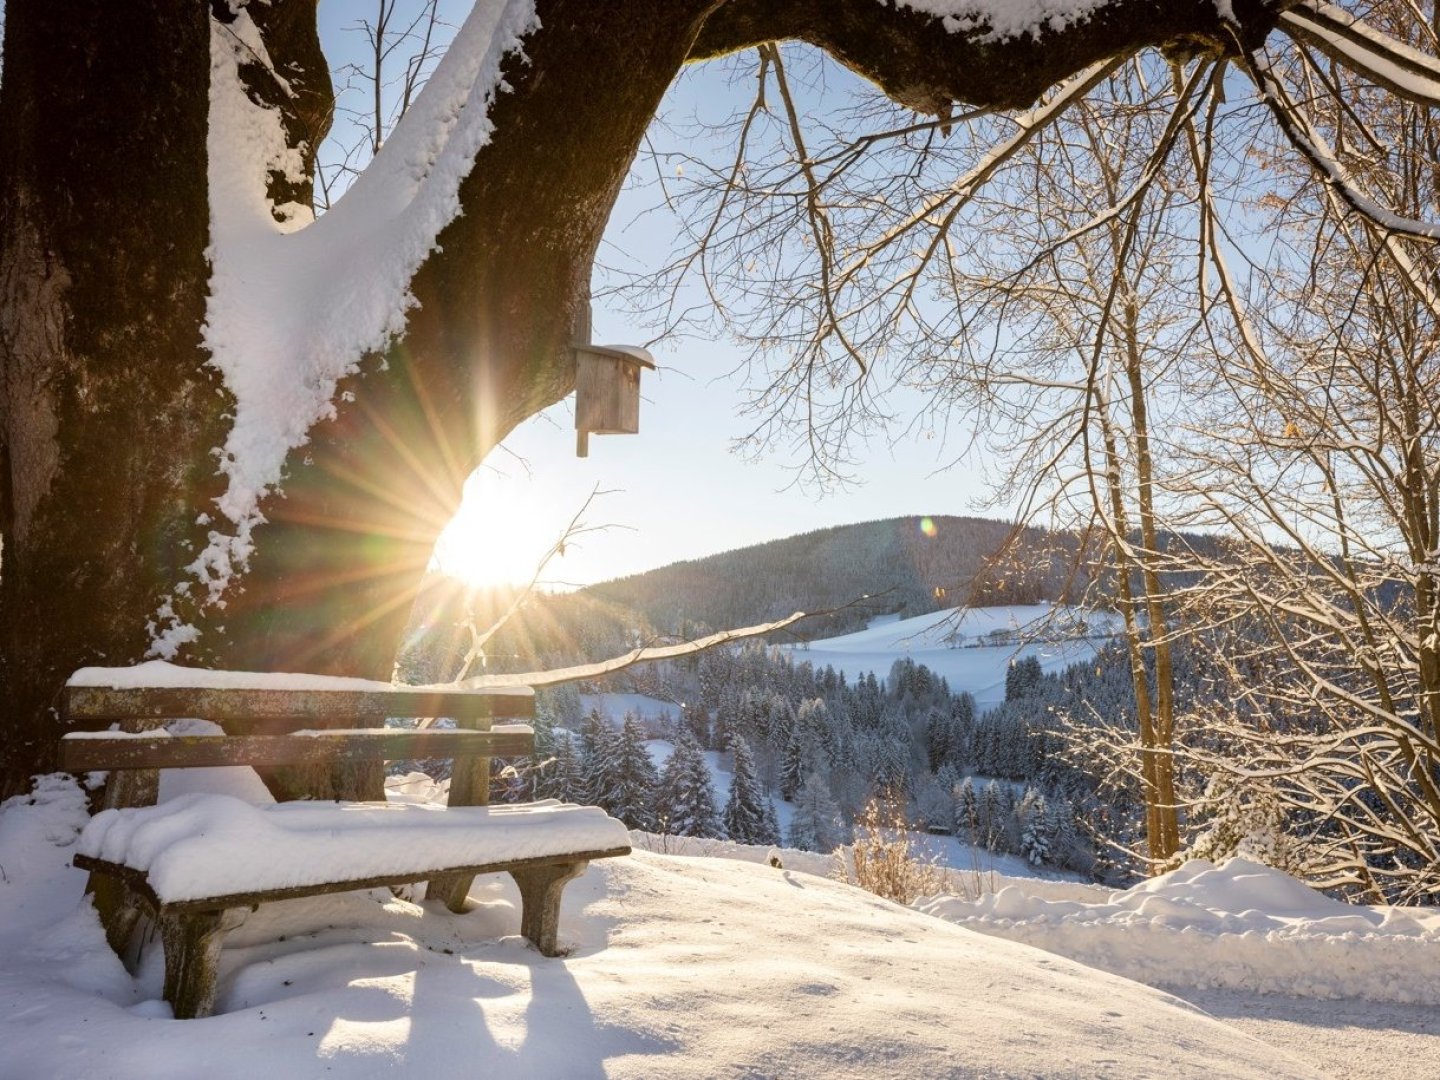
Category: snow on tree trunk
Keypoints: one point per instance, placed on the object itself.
(112, 415)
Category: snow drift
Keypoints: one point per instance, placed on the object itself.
(1240, 925)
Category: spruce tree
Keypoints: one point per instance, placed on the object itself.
(744, 809)
(967, 811)
(816, 824)
(630, 783)
(962, 713)
(939, 739)
(596, 760)
(793, 766)
(1034, 828)
(685, 802)
(1023, 678)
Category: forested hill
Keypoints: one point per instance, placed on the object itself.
(908, 565)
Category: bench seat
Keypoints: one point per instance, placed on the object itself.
(199, 860)
(215, 851)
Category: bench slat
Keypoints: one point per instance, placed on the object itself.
(103, 703)
(125, 751)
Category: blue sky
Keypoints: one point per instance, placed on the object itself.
(676, 489)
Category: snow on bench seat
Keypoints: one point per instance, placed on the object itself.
(202, 847)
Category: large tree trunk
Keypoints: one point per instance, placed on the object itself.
(340, 561)
(107, 409)
(112, 420)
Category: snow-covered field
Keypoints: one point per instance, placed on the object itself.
(945, 642)
(641, 706)
(699, 958)
(1241, 926)
(689, 967)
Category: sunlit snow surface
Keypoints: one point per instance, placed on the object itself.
(679, 968)
(1240, 926)
(946, 642)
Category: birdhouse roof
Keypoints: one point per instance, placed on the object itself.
(633, 353)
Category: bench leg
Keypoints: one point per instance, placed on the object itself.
(450, 889)
(120, 912)
(540, 889)
(192, 960)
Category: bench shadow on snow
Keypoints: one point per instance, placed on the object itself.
(359, 960)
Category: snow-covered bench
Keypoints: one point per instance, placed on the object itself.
(196, 862)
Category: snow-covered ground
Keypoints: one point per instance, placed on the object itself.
(945, 642)
(682, 967)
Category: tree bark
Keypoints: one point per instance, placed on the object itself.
(107, 410)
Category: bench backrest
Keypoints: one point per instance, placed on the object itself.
(273, 727)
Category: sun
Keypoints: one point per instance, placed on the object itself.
(506, 525)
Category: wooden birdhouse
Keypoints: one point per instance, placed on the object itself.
(607, 388)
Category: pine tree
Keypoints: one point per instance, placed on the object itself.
(994, 817)
(596, 760)
(744, 809)
(962, 714)
(967, 811)
(685, 800)
(561, 778)
(816, 824)
(630, 783)
(595, 730)
(1023, 678)
(1034, 828)
(793, 767)
(939, 739)
(696, 720)
(1065, 847)
(771, 834)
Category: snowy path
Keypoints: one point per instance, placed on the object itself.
(1348, 1040)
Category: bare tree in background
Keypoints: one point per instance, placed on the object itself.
(836, 256)
(404, 39)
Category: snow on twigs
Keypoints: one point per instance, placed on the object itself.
(296, 303)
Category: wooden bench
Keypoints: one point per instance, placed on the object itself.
(195, 864)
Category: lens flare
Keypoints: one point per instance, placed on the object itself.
(928, 528)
